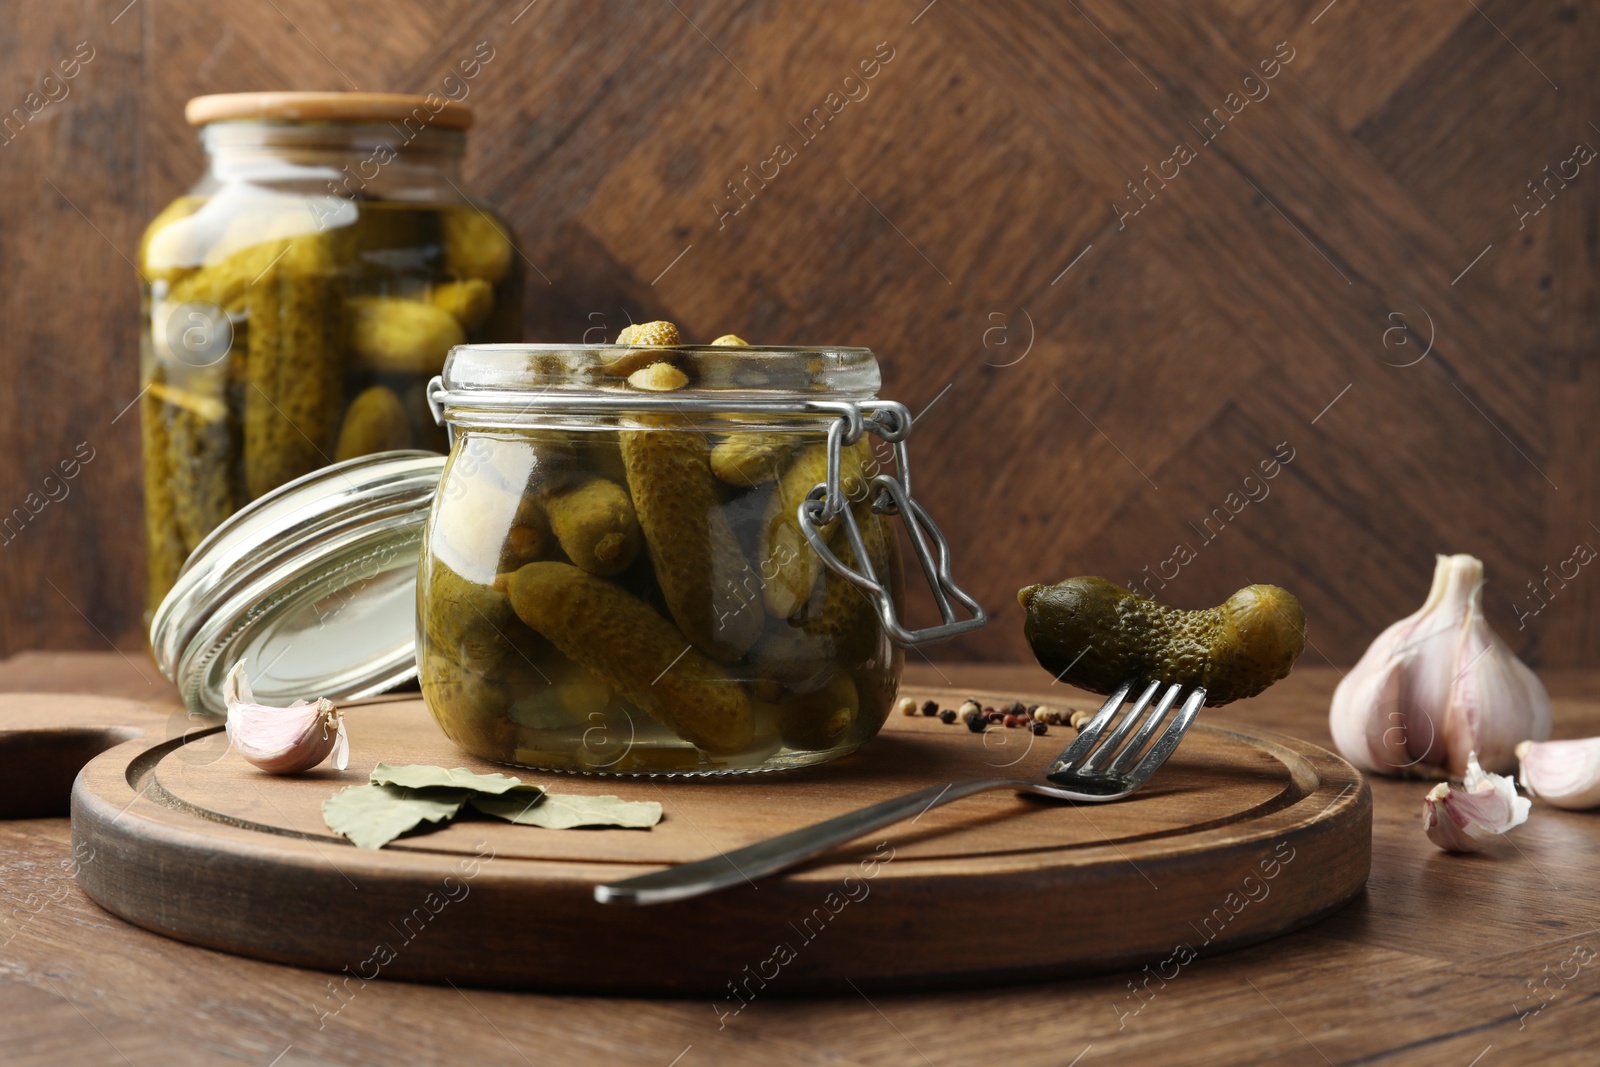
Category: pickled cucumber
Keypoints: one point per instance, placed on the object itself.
(375, 421)
(469, 709)
(1097, 635)
(624, 643)
(529, 538)
(789, 567)
(393, 335)
(162, 258)
(636, 347)
(820, 720)
(165, 548)
(840, 614)
(595, 523)
(470, 301)
(296, 372)
(201, 452)
(464, 621)
(658, 378)
(226, 283)
(749, 459)
(699, 565)
(475, 245)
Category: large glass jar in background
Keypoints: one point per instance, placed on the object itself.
(300, 296)
(615, 580)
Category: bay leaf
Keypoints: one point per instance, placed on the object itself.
(373, 815)
(558, 811)
(423, 776)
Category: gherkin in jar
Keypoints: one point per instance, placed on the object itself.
(291, 321)
(629, 583)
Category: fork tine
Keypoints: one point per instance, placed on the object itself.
(1091, 730)
(1152, 723)
(1168, 741)
(1096, 761)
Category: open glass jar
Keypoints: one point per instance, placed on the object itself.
(693, 570)
(300, 296)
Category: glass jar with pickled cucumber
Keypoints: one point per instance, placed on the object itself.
(669, 560)
(300, 296)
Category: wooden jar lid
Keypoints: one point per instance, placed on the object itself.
(327, 107)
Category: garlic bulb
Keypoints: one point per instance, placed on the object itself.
(1465, 818)
(1437, 686)
(1563, 773)
(283, 740)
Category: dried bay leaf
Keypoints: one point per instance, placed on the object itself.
(373, 815)
(558, 811)
(400, 799)
(423, 776)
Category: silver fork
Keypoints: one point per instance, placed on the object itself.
(1097, 767)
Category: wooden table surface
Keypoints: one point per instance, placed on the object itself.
(1474, 961)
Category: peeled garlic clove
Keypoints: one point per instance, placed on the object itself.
(1438, 685)
(1563, 773)
(1464, 818)
(283, 740)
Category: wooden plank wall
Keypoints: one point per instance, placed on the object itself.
(1118, 254)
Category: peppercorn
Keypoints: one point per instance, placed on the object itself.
(1035, 710)
(968, 707)
(1016, 708)
(977, 723)
(1013, 720)
(993, 716)
(1040, 728)
(948, 715)
(930, 708)
(906, 706)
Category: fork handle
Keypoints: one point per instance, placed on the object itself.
(786, 850)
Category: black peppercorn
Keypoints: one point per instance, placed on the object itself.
(977, 723)
(1040, 728)
(930, 708)
(948, 715)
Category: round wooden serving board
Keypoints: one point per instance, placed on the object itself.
(1242, 836)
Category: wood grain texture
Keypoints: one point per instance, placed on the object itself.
(1082, 420)
(1242, 838)
(1434, 963)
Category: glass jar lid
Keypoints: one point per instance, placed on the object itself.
(314, 584)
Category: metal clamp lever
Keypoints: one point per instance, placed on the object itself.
(892, 496)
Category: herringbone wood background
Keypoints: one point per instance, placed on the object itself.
(1082, 420)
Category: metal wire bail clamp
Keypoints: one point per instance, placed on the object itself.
(891, 496)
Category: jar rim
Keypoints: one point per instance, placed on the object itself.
(496, 374)
(511, 385)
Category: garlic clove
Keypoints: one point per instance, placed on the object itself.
(1467, 817)
(1373, 741)
(1438, 685)
(283, 740)
(1563, 773)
